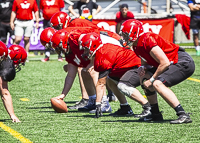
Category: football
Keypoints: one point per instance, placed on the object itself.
(59, 105)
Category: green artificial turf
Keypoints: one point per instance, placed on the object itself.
(39, 82)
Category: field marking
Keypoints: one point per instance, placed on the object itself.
(193, 79)
(14, 133)
(24, 99)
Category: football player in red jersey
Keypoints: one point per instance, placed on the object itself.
(121, 66)
(123, 15)
(21, 20)
(9, 61)
(168, 64)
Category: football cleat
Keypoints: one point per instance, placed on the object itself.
(146, 111)
(45, 59)
(152, 117)
(90, 106)
(183, 118)
(125, 110)
(80, 104)
(105, 108)
(60, 59)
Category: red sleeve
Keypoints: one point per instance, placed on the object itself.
(14, 7)
(118, 17)
(61, 3)
(130, 15)
(35, 7)
(150, 42)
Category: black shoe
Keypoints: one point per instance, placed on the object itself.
(90, 106)
(183, 118)
(125, 110)
(145, 112)
(152, 117)
(80, 104)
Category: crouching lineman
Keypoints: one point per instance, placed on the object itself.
(9, 64)
(121, 66)
(167, 63)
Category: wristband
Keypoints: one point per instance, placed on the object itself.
(152, 79)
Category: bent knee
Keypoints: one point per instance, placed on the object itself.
(157, 84)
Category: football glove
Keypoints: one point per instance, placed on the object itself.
(98, 111)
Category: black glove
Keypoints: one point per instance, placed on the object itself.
(98, 111)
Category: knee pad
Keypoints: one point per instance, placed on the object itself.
(125, 89)
(148, 92)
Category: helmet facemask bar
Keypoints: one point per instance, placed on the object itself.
(48, 45)
(19, 64)
(87, 53)
(2, 57)
(60, 49)
(59, 26)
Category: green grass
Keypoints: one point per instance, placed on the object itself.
(39, 82)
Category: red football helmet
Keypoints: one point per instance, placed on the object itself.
(3, 51)
(131, 29)
(60, 20)
(46, 35)
(18, 54)
(60, 41)
(90, 42)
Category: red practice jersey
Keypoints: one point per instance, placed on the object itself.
(120, 18)
(115, 58)
(50, 7)
(24, 9)
(149, 40)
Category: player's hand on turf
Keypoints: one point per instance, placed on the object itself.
(62, 96)
(14, 119)
(98, 111)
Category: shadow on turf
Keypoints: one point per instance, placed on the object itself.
(68, 102)
(38, 107)
(4, 120)
(136, 120)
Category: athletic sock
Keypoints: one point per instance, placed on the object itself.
(47, 54)
(179, 108)
(155, 108)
